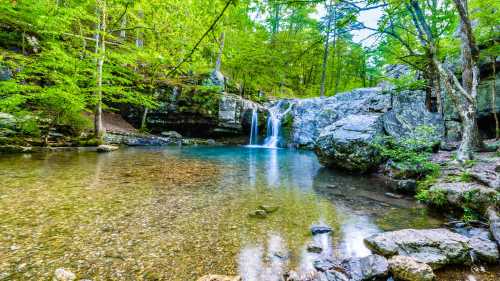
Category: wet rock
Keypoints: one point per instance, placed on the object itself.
(406, 186)
(106, 148)
(436, 247)
(15, 149)
(320, 229)
(484, 249)
(261, 214)
(367, 268)
(408, 269)
(62, 274)
(333, 275)
(133, 139)
(348, 143)
(324, 265)
(212, 277)
(313, 248)
(494, 221)
(171, 134)
(268, 208)
(292, 276)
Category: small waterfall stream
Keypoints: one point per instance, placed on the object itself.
(274, 125)
(254, 130)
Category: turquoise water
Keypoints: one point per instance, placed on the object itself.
(179, 213)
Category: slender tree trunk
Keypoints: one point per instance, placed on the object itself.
(325, 54)
(494, 97)
(101, 49)
(470, 80)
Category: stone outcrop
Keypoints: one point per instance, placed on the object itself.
(342, 128)
(198, 112)
(435, 247)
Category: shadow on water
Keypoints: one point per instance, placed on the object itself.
(180, 213)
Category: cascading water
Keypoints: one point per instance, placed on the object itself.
(274, 125)
(254, 130)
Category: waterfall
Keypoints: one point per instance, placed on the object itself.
(254, 129)
(274, 125)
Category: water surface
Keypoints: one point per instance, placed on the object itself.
(179, 213)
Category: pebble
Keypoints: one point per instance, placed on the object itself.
(62, 274)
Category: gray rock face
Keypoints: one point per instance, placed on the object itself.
(137, 139)
(410, 113)
(436, 247)
(367, 268)
(235, 113)
(347, 143)
(310, 116)
(408, 269)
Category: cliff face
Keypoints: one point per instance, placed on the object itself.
(198, 112)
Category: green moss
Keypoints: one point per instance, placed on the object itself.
(433, 197)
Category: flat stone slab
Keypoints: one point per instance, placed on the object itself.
(436, 247)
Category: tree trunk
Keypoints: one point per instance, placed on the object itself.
(470, 80)
(101, 49)
(325, 54)
(494, 97)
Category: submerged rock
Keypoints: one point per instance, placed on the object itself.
(371, 267)
(483, 248)
(408, 269)
(324, 265)
(62, 274)
(212, 277)
(436, 247)
(269, 209)
(320, 229)
(348, 143)
(261, 214)
(106, 148)
(313, 248)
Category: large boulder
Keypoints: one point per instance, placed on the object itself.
(408, 269)
(436, 247)
(348, 143)
(311, 116)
